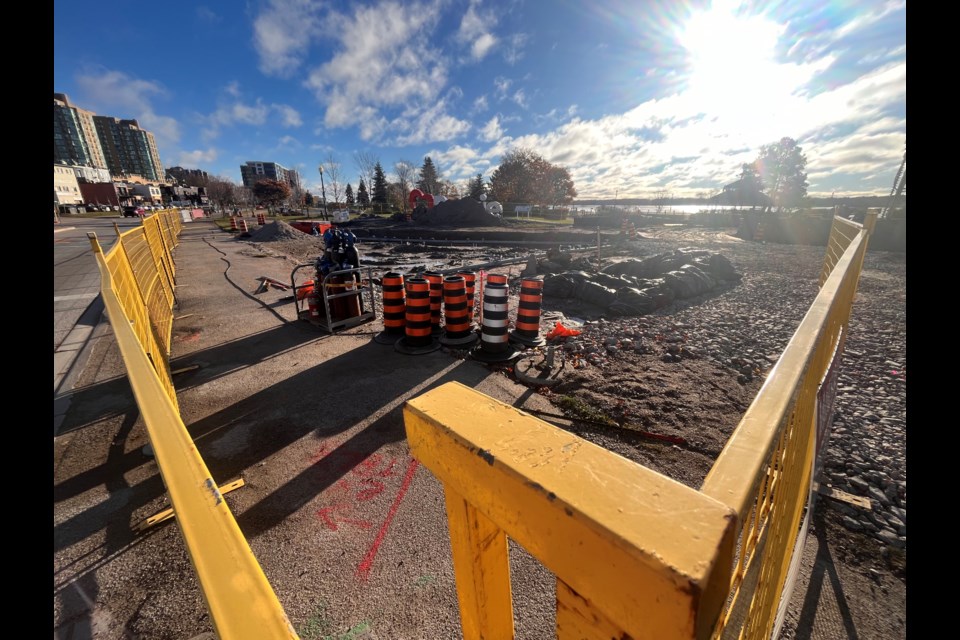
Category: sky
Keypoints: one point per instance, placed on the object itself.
(637, 99)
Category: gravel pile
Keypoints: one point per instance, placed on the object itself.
(276, 231)
(745, 328)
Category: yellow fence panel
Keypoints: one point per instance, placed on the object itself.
(764, 471)
(136, 282)
(640, 549)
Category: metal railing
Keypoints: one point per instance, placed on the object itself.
(136, 282)
(634, 552)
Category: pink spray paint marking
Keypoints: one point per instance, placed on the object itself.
(363, 571)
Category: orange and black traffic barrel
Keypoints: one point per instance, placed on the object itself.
(436, 300)
(527, 328)
(457, 326)
(394, 309)
(417, 337)
(494, 341)
(470, 283)
(496, 278)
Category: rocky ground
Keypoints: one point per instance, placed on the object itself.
(667, 389)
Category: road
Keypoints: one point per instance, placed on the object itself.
(77, 307)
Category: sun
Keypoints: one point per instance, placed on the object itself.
(733, 68)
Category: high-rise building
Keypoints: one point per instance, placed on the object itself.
(75, 140)
(187, 176)
(129, 150)
(253, 172)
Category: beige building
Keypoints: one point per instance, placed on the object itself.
(150, 193)
(66, 189)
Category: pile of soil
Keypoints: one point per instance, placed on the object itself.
(463, 212)
(284, 241)
(277, 231)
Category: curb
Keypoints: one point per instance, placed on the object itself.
(58, 230)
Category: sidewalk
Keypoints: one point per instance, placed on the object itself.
(349, 530)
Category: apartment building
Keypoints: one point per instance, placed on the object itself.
(75, 139)
(254, 171)
(129, 150)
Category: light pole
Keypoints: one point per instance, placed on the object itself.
(323, 192)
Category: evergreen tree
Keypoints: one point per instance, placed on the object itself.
(477, 187)
(348, 194)
(429, 180)
(379, 185)
(363, 198)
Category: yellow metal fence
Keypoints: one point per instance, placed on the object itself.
(635, 554)
(137, 285)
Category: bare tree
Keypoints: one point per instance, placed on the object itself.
(406, 173)
(334, 177)
(220, 190)
(366, 162)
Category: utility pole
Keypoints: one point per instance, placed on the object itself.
(323, 192)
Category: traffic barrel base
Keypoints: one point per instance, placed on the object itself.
(403, 346)
(481, 354)
(527, 342)
(385, 337)
(468, 340)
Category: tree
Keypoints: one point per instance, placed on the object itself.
(348, 194)
(379, 185)
(366, 165)
(271, 192)
(477, 187)
(308, 199)
(748, 187)
(557, 188)
(221, 191)
(334, 178)
(406, 172)
(524, 176)
(428, 180)
(449, 190)
(363, 198)
(782, 169)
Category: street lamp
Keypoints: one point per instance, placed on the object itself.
(323, 192)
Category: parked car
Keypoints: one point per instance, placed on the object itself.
(133, 212)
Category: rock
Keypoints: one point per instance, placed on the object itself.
(852, 524)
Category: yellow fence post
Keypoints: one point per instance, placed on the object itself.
(482, 571)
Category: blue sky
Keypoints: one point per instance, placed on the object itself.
(635, 98)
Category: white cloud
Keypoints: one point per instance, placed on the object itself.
(282, 32)
(206, 14)
(475, 28)
(513, 52)
(433, 124)
(480, 104)
(520, 98)
(500, 86)
(482, 45)
(195, 159)
(386, 76)
(492, 130)
(110, 91)
(288, 115)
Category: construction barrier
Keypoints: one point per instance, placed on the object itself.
(469, 281)
(635, 553)
(436, 300)
(136, 282)
(527, 331)
(394, 303)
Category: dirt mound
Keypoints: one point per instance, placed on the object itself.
(276, 231)
(463, 212)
